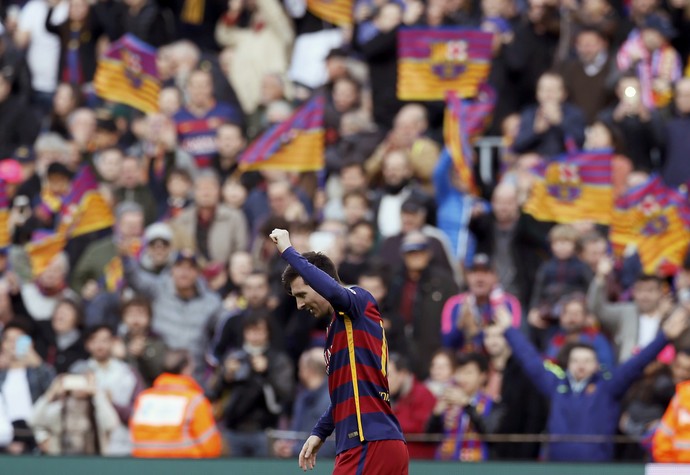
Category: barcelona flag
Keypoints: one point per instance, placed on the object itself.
(478, 110)
(457, 140)
(656, 220)
(84, 209)
(4, 216)
(43, 248)
(296, 144)
(432, 61)
(573, 187)
(127, 74)
(337, 12)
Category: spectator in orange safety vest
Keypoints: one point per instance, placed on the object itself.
(174, 418)
(671, 441)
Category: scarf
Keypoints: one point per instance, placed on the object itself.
(459, 441)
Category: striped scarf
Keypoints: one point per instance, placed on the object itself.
(459, 441)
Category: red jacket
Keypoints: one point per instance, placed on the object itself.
(413, 410)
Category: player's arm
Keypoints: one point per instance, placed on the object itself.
(325, 426)
(322, 283)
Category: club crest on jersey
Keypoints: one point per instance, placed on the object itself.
(327, 358)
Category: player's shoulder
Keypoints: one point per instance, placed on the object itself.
(359, 292)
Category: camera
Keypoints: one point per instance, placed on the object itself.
(245, 368)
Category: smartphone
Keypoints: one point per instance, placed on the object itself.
(22, 346)
(74, 382)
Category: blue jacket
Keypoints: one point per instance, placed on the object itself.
(552, 141)
(594, 411)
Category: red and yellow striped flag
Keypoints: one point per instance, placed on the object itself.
(573, 187)
(656, 220)
(457, 141)
(337, 12)
(43, 248)
(127, 74)
(432, 61)
(296, 144)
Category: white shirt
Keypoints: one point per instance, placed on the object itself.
(389, 220)
(649, 327)
(308, 65)
(6, 430)
(43, 52)
(17, 395)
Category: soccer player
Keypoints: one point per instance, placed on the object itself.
(367, 435)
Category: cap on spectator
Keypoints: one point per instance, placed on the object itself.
(57, 168)
(414, 241)
(412, 205)
(187, 255)
(24, 155)
(105, 120)
(158, 231)
(481, 261)
(11, 171)
(661, 24)
(337, 53)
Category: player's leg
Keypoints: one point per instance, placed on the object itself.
(347, 463)
(386, 457)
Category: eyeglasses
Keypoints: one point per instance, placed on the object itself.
(159, 243)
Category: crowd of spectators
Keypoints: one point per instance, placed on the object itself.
(496, 323)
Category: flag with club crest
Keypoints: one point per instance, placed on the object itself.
(127, 74)
(5, 239)
(573, 187)
(296, 144)
(85, 209)
(44, 246)
(337, 12)
(457, 142)
(432, 61)
(655, 219)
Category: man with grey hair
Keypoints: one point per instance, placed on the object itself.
(213, 230)
(97, 269)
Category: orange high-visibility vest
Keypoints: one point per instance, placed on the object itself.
(174, 419)
(671, 441)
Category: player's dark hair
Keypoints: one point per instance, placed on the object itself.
(464, 359)
(20, 325)
(322, 261)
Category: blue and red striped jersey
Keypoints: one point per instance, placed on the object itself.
(356, 362)
(197, 135)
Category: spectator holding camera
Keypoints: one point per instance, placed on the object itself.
(74, 417)
(116, 378)
(24, 377)
(260, 382)
(140, 347)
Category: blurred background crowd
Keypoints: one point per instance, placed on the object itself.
(187, 263)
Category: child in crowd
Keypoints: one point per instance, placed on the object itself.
(564, 273)
(463, 410)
